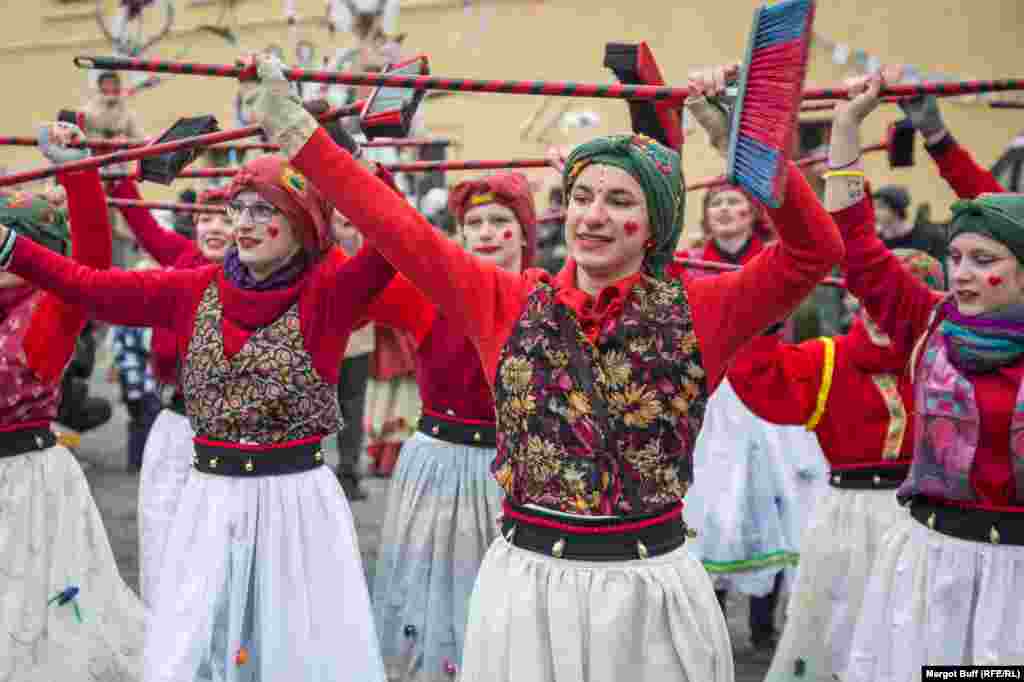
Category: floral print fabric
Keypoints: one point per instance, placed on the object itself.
(948, 430)
(605, 428)
(267, 393)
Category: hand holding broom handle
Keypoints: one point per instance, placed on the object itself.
(136, 153)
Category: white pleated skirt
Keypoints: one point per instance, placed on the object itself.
(166, 464)
(754, 486)
(837, 555)
(51, 539)
(937, 600)
(262, 581)
(442, 515)
(534, 618)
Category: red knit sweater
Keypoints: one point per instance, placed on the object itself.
(855, 423)
(487, 301)
(961, 171)
(54, 326)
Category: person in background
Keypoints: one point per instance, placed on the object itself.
(898, 231)
(131, 368)
(352, 380)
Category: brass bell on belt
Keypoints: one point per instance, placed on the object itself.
(558, 549)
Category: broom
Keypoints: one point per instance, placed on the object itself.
(635, 64)
(167, 206)
(768, 100)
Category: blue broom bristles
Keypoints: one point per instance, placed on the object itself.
(752, 164)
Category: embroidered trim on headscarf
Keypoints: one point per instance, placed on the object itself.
(481, 199)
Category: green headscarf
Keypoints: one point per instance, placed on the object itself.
(33, 216)
(997, 216)
(657, 168)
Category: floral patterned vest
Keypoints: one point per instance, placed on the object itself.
(25, 398)
(605, 428)
(947, 430)
(267, 393)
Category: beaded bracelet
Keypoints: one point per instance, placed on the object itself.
(843, 174)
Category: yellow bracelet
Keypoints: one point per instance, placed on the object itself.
(843, 174)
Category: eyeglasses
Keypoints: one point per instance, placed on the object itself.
(261, 214)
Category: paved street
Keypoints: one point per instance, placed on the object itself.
(116, 494)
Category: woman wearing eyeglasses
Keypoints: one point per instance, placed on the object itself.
(261, 578)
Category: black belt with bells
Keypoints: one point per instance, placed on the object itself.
(231, 459)
(452, 430)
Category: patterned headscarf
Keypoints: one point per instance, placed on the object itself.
(997, 216)
(33, 216)
(922, 266)
(657, 168)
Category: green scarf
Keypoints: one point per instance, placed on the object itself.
(34, 217)
(659, 172)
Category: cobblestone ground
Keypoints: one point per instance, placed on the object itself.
(116, 493)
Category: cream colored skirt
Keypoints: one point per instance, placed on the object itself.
(534, 618)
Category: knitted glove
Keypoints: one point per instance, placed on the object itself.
(52, 148)
(923, 112)
(714, 116)
(275, 106)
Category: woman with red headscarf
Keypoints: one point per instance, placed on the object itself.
(261, 570)
(167, 457)
(444, 503)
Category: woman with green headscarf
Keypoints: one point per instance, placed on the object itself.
(948, 576)
(65, 612)
(600, 375)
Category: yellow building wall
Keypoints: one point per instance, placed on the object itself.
(531, 39)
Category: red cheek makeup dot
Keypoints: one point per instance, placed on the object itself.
(507, 235)
(273, 232)
(994, 280)
(631, 228)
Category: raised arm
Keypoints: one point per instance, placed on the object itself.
(165, 246)
(898, 302)
(55, 325)
(152, 298)
(485, 299)
(767, 368)
(732, 308)
(404, 307)
(956, 165)
(960, 170)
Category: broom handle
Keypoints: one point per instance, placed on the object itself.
(698, 264)
(136, 153)
(242, 146)
(829, 106)
(937, 88)
(513, 87)
(490, 164)
(510, 87)
(167, 206)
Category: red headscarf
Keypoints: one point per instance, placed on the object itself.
(511, 190)
(273, 178)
